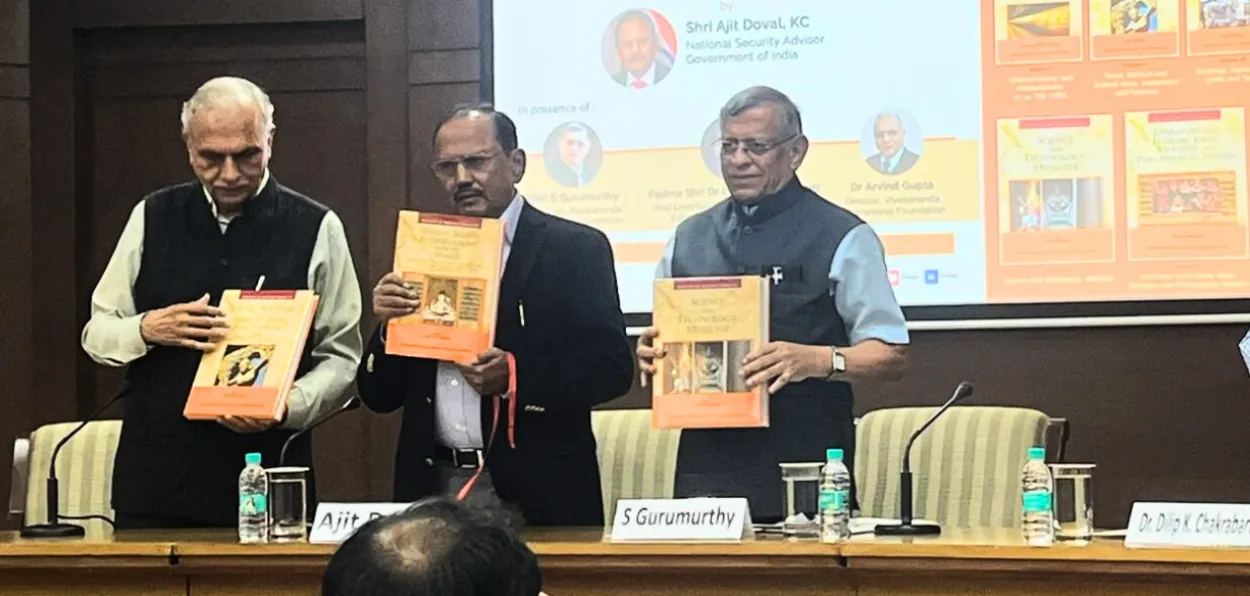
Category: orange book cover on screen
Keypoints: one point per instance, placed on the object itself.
(454, 264)
(252, 370)
(707, 326)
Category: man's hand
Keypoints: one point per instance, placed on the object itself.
(786, 363)
(647, 354)
(195, 325)
(488, 374)
(245, 425)
(393, 298)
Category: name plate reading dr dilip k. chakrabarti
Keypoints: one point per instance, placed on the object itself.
(682, 520)
(1188, 525)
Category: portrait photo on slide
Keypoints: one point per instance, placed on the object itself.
(891, 142)
(639, 49)
(572, 154)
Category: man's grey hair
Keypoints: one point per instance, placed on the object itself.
(890, 116)
(228, 91)
(791, 122)
(575, 127)
(634, 15)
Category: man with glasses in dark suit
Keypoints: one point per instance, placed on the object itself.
(834, 319)
(559, 333)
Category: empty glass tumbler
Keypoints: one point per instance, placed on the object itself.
(1073, 502)
(288, 504)
(800, 483)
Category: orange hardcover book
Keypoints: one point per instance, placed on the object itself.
(707, 326)
(252, 370)
(454, 263)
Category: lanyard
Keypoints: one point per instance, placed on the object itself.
(510, 395)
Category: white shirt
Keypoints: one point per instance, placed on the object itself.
(112, 337)
(457, 407)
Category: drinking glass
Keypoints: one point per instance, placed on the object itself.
(288, 504)
(1073, 502)
(801, 486)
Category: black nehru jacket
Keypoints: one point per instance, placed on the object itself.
(794, 233)
(166, 465)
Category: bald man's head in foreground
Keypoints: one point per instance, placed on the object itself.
(438, 547)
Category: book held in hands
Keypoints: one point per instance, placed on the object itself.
(250, 372)
(707, 326)
(454, 264)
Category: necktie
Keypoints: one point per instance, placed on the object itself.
(885, 164)
(639, 84)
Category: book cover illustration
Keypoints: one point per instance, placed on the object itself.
(251, 371)
(244, 365)
(708, 325)
(454, 264)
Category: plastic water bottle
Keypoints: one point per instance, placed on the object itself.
(835, 499)
(1039, 488)
(253, 505)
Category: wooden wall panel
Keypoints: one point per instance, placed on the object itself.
(97, 14)
(445, 66)
(444, 24)
(386, 54)
(16, 243)
(15, 32)
(15, 82)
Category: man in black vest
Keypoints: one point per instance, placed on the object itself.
(559, 317)
(235, 227)
(834, 318)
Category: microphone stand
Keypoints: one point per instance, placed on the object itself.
(53, 527)
(350, 404)
(906, 527)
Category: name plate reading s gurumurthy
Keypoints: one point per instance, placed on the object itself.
(673, 520)
(335, 522)
(1188, 525)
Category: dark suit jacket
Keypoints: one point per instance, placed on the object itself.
(571, 354)
(905, 162)
(565, 176)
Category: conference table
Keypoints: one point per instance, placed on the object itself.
(581, 561)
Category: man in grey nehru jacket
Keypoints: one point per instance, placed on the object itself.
(834, 318)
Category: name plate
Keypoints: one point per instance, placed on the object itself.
(1188, 524)
(335, 522)
(674, 520)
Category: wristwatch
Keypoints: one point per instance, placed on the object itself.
(838, 365)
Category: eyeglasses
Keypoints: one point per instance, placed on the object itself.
(728, 147)
(447, 168)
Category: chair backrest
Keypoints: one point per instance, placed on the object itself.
(1058, 431)
(966, 467)
(17, 481)
(636, 461)
(84, 469)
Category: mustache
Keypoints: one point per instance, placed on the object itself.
(467, 190)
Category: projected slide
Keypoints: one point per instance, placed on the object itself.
(1005, 151)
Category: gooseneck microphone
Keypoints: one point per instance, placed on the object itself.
(350, 404)
(53, 527)
(905, 527)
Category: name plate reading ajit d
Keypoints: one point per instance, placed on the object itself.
(682, 520)
(1188, 524)
(335, 522)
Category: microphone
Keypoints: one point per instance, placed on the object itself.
(905, 527)
(53, 528)
(350, 404)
